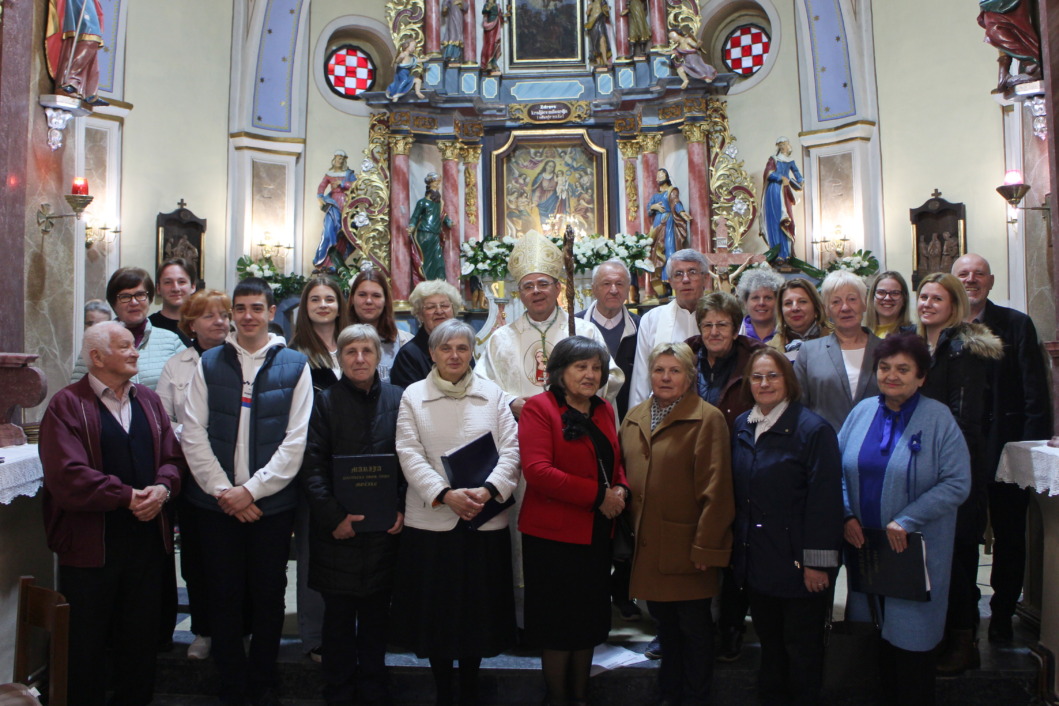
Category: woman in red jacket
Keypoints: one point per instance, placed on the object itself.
(575, 488)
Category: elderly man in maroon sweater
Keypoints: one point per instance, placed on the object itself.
(111, 462)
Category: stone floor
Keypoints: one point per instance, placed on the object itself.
(1007, 678)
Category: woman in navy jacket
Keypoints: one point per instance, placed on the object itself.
(575, 487)
(787, 473)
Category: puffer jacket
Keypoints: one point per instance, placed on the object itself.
(959, 378)
(346, 421)
(156, 348)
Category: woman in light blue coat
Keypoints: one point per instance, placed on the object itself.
(905, 468)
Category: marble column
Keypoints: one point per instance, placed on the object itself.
(630, 150)
(621, 30)
(450, 195)
(656, 11)
(471, 154)
(470, 32)
(698, 185)
(400, 247)
(432, 28)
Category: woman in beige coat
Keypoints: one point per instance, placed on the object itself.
(677, 459)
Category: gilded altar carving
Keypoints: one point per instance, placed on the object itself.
(627, 124)
(450, 150)
(400, 119)
(424, 123)
(471, 154)
(651, 141)
(731, 190)
(695, 105)
(367, 210)
(405, 18)
(683, 16)
(566, 112)
(401, 144)
(694, 132)
(468, 129)
(671, 113)
(630, 150)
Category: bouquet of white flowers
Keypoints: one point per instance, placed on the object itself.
(283, 284)
(861, 263)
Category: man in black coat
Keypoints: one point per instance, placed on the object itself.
(611, 282)
(1021, 412)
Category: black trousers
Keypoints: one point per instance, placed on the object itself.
(963, 585)
(619, 581)
(354, 647)
(1007, 513)
(246, 564)
(734, 603)
(116, 606)
(791, 631)
(192, 568)
(685, 630)
(907, 677)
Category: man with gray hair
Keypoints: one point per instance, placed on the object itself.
(111, 462)
(611, 281)
(672, 323)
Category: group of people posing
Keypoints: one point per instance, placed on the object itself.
(720, 448)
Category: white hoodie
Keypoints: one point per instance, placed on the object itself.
(285, 462)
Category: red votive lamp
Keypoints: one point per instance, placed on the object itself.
(79, 187)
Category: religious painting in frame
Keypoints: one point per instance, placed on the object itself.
(546, 179)
(938, 236)
(546, 32)
(180, 234)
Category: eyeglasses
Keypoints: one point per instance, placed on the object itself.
(760, 378)
(541, 284)
(690, 274)
(125, 297)
(444, 306)
(720, 326)
(888, 294)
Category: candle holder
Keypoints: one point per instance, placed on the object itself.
(46, 219)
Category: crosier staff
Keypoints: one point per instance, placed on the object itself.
(568, 263)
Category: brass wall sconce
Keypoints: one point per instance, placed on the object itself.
(78, 199)
(100, 234)
(1013, 190)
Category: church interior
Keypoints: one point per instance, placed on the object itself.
(303, 133)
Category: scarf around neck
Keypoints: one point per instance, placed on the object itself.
(456, 390)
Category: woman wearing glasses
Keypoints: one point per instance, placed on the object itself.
(721, 355)
(787, 472)
(887, 304)
(130, 292)
(433, 302)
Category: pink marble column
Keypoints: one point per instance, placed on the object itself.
(698, 185)
(656, 10)
(621, 30)
(432, 27)
(400, 247)
(470, 32)
(450, 195)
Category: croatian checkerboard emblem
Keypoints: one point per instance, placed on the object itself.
(350, 71)
(745, 49)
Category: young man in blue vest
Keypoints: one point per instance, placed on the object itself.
(247, 414)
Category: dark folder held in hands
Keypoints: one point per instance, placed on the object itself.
(877, 569)
(469, 466)
(366, 484)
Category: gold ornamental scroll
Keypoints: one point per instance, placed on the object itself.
(405, 18)
(366, 216)
(732, 194)
(472, 155)
(650, 141)
(683, 16)
(630, 151)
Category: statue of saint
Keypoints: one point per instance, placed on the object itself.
(1008, 26)
(424, 231)
(408, 74)
(669, 227)
(782, 179)
(492, 20)
(687, 59)
(452, 30)
(598, 29)
(332, 197)
(639, 31)
(72, 46)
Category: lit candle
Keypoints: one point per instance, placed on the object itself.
(79, 187)
(1012, 176)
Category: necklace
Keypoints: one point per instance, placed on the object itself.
(544, 333)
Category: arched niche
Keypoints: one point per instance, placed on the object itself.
(370, 35)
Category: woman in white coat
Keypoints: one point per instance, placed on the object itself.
(453, 597)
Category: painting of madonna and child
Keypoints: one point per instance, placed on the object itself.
(548, 185)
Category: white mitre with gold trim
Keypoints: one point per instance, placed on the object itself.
(535, 253)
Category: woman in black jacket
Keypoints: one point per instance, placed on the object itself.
(352, 570)
(961, 356)
(787, 474)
